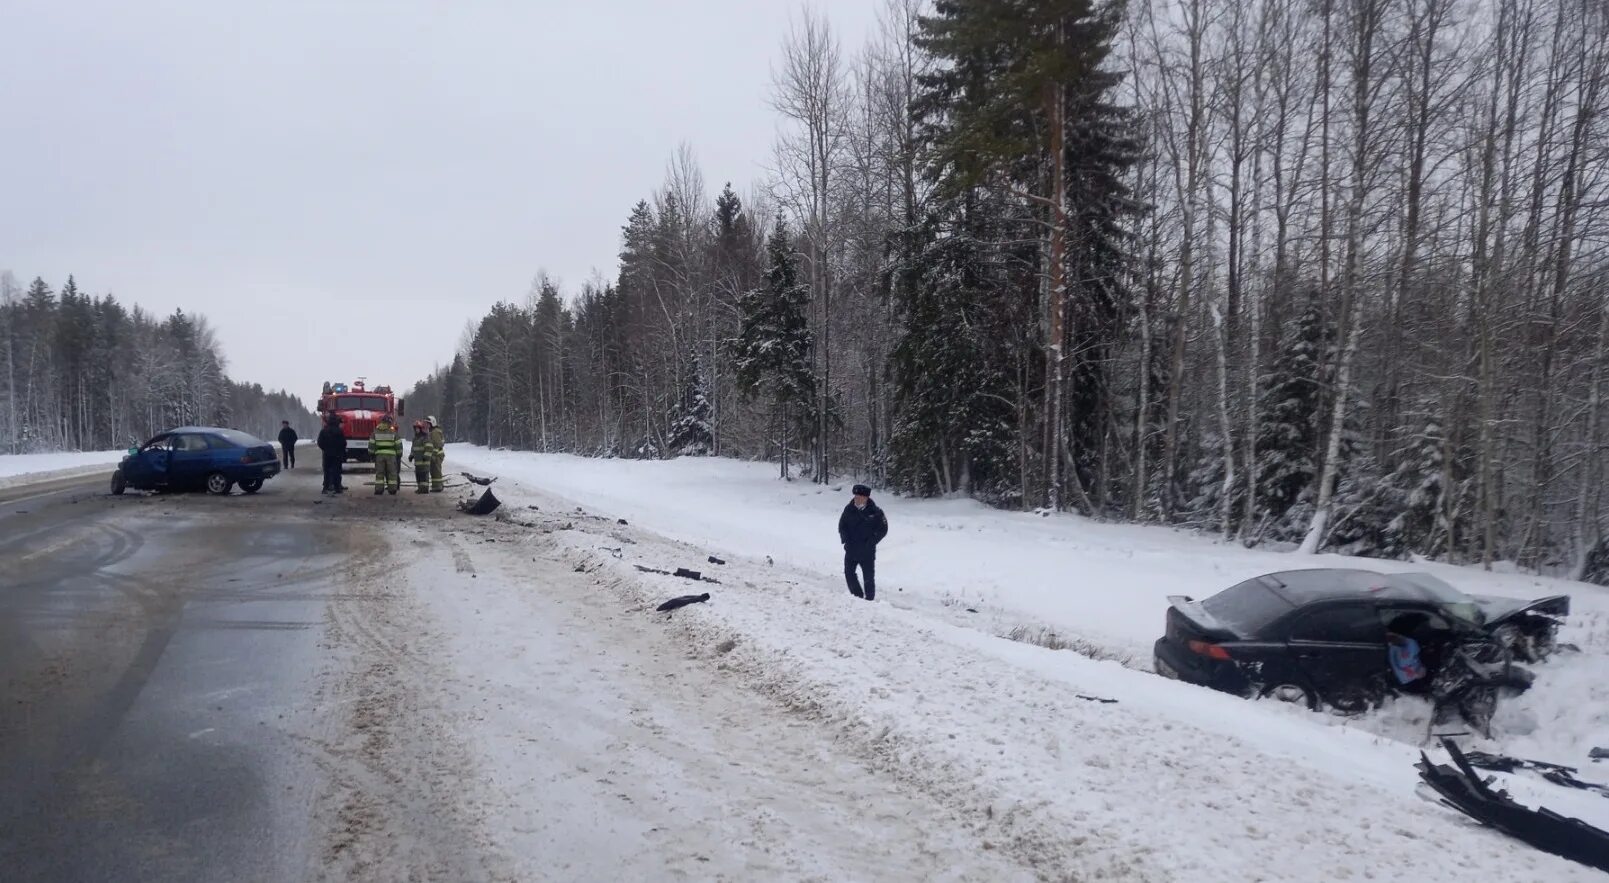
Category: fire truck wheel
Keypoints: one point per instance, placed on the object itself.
(218, 483)
(251, 485)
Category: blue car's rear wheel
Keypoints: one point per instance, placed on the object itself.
(251, 485)
(218, 483)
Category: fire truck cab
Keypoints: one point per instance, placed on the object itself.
(359, 409)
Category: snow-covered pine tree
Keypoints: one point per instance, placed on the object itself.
(1288, 432)
(771, 356)
(692, 432)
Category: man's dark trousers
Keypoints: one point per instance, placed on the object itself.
(288, 456)
(332, 473)
(866, 560)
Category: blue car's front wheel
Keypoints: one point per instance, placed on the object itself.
(218, 483)
(119, 483)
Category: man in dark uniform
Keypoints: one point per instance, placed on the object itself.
(287, 445)
(860, 529)
(332, 441)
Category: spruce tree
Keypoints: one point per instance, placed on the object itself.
(771, 355)
(693, 432)
(1288, 431)
(954, 428)
(1021, 101)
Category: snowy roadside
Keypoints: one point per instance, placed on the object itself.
(600, 748)
(1168, 782)
(1098, 588)
(21, 469)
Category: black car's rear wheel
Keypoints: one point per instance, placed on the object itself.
(251, 485)
(218, 483)
(1295, 694)
(119, 483)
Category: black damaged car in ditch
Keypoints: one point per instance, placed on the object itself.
(1318, 637)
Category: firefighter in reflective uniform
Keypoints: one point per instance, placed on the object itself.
(438, 453)
(421, 456)
(386, 446)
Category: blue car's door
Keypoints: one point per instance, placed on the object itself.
(192, 458)
(148, 468)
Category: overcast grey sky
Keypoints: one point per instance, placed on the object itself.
(339, 186)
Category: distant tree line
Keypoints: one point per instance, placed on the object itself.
(82, 372)
(1321, 272)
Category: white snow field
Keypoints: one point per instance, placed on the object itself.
(1170, 782)
(18, 469)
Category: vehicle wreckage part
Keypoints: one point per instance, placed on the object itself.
(1461, 788)
(682, 601)
(486, 504)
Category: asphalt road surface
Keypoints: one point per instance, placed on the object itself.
(163, 714)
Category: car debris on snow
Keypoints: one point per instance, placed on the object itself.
(1558, 774)
(1461, 788)
(682, 601)
(682, 572)
(486, 504)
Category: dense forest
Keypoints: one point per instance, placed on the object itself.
(86, 373)
(1328, 273)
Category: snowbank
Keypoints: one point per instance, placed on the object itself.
(18, 469)
(1106, 583)
(1170, 781)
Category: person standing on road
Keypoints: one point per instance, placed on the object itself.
(332, 441)
(287, 445)
(862, 526)
(385, 443)
(438, 453)
(421, 456)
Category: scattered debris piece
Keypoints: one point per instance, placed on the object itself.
(1558, 774)
(972, 610)
(682, 572)
(715, 560)
(1598, 754)
(1461, 788)
(483, 482)
(1100, 699)
(620, 521)
(618, 553)
(485, 505)
(534, 508)
(682, 601)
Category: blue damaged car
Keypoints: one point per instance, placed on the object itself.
(198, 458)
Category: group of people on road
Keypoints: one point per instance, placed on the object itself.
(861, 527)
(427, 454)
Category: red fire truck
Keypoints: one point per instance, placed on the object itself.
(359, 409)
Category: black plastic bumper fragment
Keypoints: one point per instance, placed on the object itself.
(1462, 789)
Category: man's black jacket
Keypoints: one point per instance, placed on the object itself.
(288, 436)
(332, 441)
(860, 530)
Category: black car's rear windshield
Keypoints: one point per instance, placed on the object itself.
(1247, 608)
(238, 438)
(360, 403)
